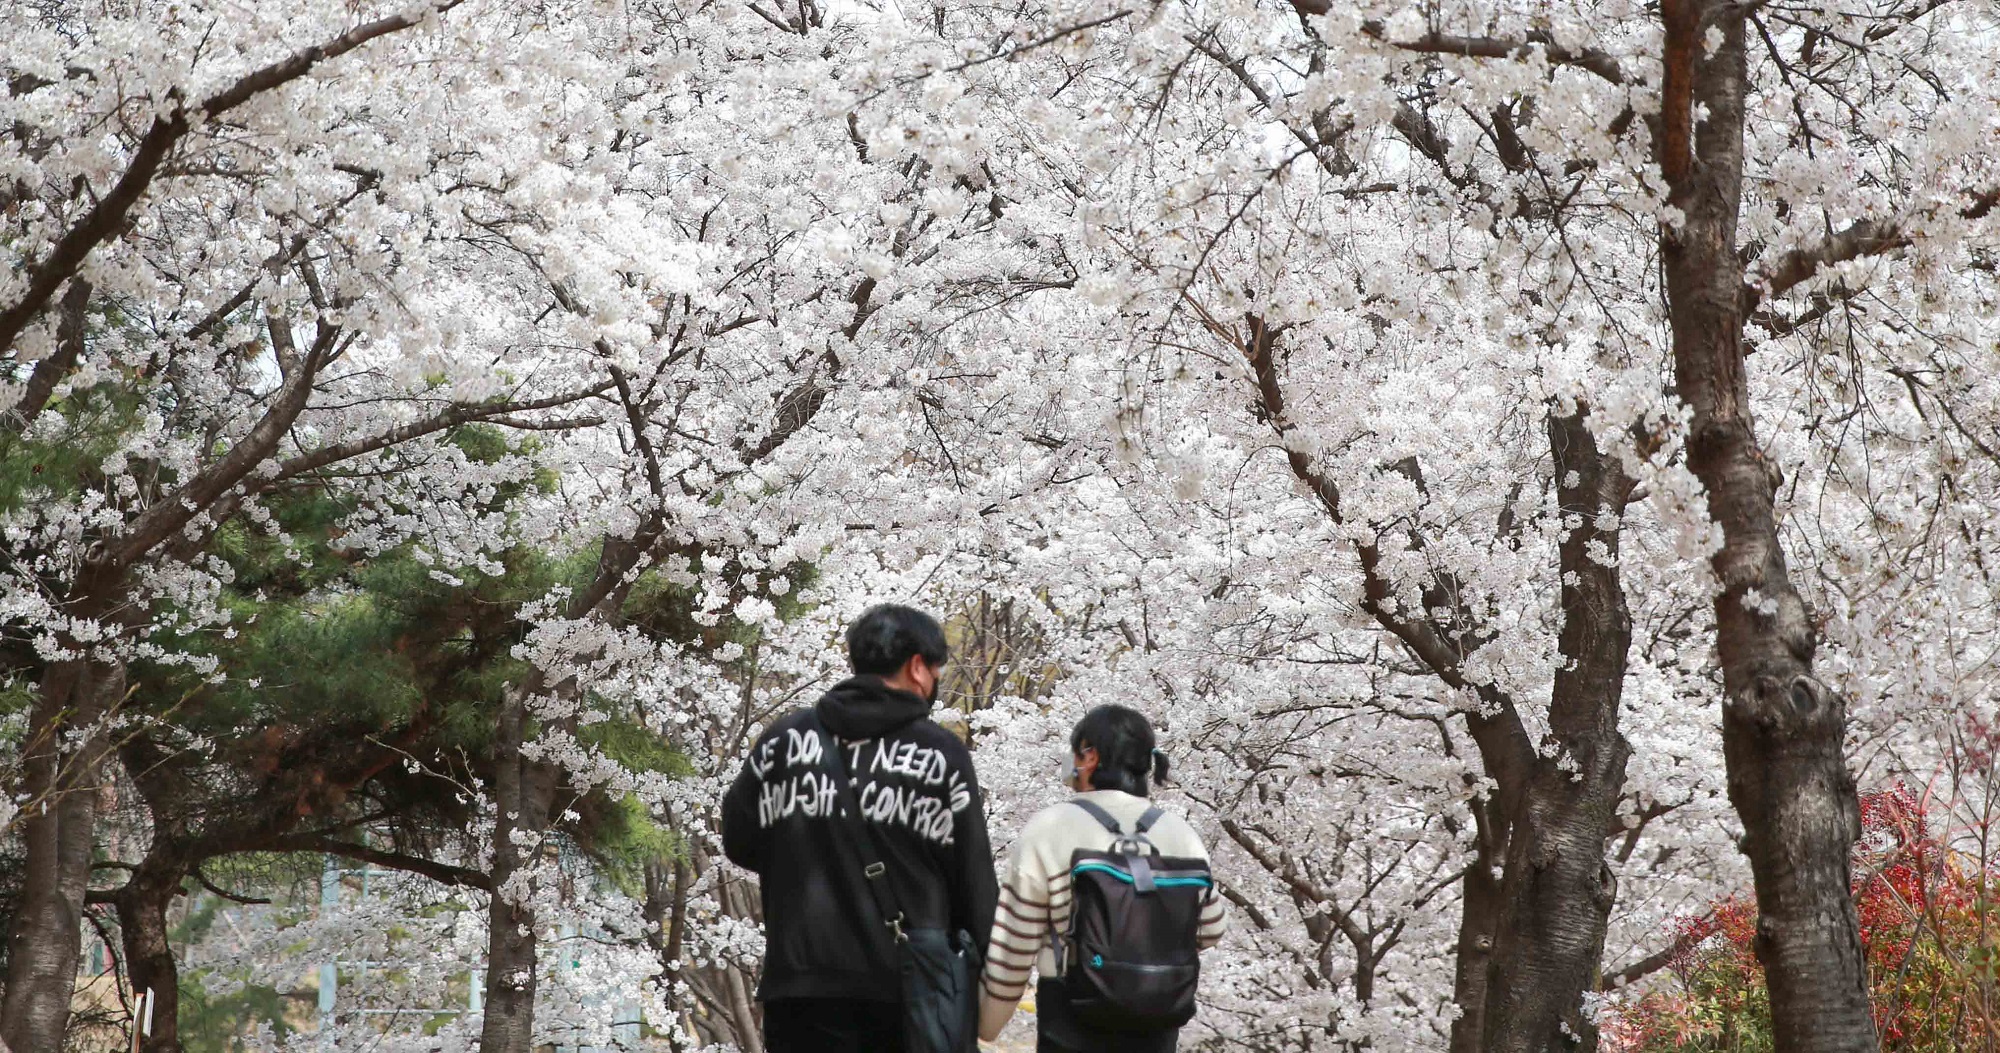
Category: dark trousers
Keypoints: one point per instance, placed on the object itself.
(832, 1025)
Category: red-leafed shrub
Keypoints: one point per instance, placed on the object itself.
(1927, 926)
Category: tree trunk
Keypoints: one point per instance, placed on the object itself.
(171, 855)
(1781, 728)
(1558, 890)
(45, 936)
(149, 956)
(665, 912)
(739, 898)
(1479, 899)
(523, 792)
(524, 797)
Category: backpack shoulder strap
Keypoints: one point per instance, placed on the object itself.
(1103, 817)
(862, 834)
(1147, 820)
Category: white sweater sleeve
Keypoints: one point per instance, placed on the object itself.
(1214, 921)
(1021, 928)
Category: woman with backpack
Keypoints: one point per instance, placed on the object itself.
(1108, 898)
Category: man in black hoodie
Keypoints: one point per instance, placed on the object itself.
(830, 981)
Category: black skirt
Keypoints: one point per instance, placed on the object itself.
(1056, 1031)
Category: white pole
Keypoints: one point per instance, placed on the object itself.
(329, 972)
(147, 1027)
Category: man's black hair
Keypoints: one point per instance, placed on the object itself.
(1126, 753)
(886, 635)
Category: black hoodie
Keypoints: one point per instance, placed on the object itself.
(824, 937)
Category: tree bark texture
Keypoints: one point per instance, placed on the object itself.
(150, 890)
(1557, 889)
(666, 915)
(1479, 917)
(522, 791)
(1781, 728)
(72, 327)
(45, 936)
(149, 956)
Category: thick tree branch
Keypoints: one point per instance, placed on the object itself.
(1870, 237)
(1982, 204)
(1864, 238)
(1601, 63)
(798, 406)
(1821, 305)
(1277, 868)
(365, 180)
(104, 218)
(300, 63)
(1650, 964)
(443, 873)
(1247, 906)
(1424, 137)
(635, 414)
(71, 328)
(475, 413)
(173, 512)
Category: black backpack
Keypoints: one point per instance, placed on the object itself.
(1129, 960)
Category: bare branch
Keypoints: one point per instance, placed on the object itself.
(475, 413)
(1007, 54)
(108, 215)
(1327, 153)
(248, 901)
(1651, 963)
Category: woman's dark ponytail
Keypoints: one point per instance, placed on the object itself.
(1126, 757)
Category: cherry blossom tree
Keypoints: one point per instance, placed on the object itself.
(209, 299)
(1515, 452)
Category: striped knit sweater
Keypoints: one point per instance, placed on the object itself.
(1034, 896)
